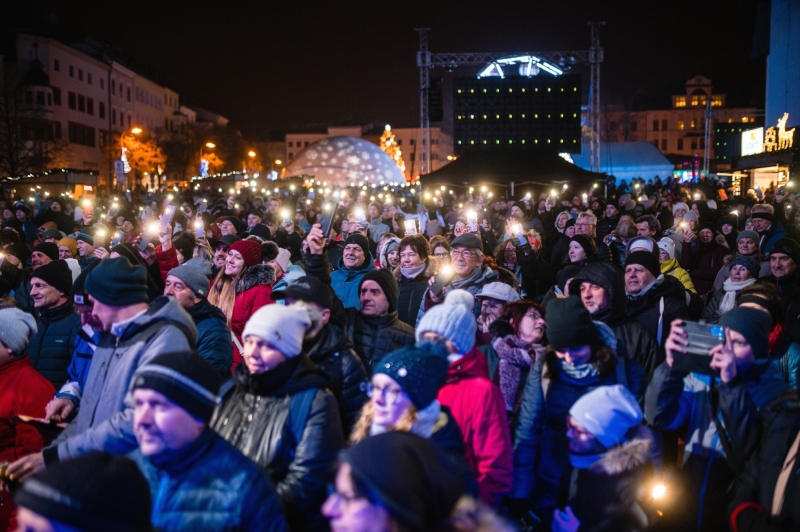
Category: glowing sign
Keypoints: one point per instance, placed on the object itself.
(752, 141)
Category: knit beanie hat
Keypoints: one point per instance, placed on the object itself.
(586, 243)
(185, 378)
(282, 327)
(185, 245)
(79, 294)
(752, 266)
(608, 412)
(387, 282)
(752, 235)
(359, 240)
(755, 325)
(269, 251)
(414, 478)
(95, 492)
(250, 251)
(789, 247)
(452, 321)
(680, 205)
(193, 275)
(57, 274)
(667, 245)
(569, 324)
(16, 329)
(48, 249)
(419, 373)
(459, 296)
(689, 216)
(646, 259)
(71, 244)
(642, 243)
(284, 259)
(52, 233)
(86, 237)
(570, 223)
(117, 282)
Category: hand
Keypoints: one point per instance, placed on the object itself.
(434, 297)
(165, 238)
(565, 521)
(676, 341)
(548, 204)
(316, 242)
(688, 236)
(723, 359)
(59, 409)
(101, 253)
(26, 466)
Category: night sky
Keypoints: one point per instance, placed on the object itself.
(268, 64)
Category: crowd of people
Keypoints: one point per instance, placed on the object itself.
(401, 361)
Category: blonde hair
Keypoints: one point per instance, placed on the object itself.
(362, 427)
(471, 515)
(223, 293)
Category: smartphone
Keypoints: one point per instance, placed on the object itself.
(516, 232)
(117, 239)
(144, 241)
(444, 276)
(166, 219)
(199, 229)
(202, 207)
(702, 338)
(287, 217)
(100, 239)
(360, 218)
(411, 227)
(472, 222)
(328, 214)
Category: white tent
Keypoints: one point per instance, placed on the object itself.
(345, 161)
(626, 160)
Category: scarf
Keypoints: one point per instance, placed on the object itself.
(731, 289)
(579, 372)
(411, 273)
(423, 426)
(468, 280)
(515, 355)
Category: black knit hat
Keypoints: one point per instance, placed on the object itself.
(48, 249)
(419, 373)
(95, 492)
(57, 274)
(387, 282)
(587, 243)
(416, 481)
(646, 259)
(185, 244)
(755, 325)
(359, 240)
(569, 324)
(185, 378)
(117, 282)
(789, 247)
(308, 289)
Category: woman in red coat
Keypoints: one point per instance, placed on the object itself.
(241, 288)
(23, 391)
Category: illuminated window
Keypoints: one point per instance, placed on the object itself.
(716, 101)
(730, 120)
(695, 100)
(680, 101)
(681, 125)
(744, 119)
(693, 123)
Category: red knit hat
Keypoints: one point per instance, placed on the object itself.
(250, 250)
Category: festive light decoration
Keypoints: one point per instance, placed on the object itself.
(390, 147)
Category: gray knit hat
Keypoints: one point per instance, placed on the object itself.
(752, 235)
(453, 321)
(194, 273)
(16, 329)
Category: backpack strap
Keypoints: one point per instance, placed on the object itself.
(299, 412)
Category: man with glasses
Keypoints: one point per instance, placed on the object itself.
(586, 224)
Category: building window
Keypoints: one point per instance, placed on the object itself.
(681, 125)
(306, 144)
(71, 71)
(694, 144)
(71, 99)
(693, 123)
(680, 144)
(49, 99)
(291, 144)
(655, 125)
(81, 103)
(101, 110)
(291, 156)
(114, 116)
(129, 120)
(89, 78)
(80, 134)
(56, 96)
(58, 129)
(663, 144)
(129, 94)
(633, 125)
(39, 97)
(80, 74)
(57, 65)
(113, 86)
(90, 106)
(102, 83)
(703, 143)
(412, 141)
(716, 100)
(399, 142)
(680, 101)
(664, 125)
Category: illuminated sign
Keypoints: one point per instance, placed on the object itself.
(752, 141)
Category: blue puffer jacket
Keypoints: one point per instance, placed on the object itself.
(210, 485)
(213, 336)
(51, 348)
(541, 461)
(345, 282)
(78, 370)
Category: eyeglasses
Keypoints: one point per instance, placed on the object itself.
(346, 499)
(390, 395)
(533, 314)
(441, 255)
(583, 225)
(463, 253)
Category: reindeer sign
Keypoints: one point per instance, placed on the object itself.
(779, 139)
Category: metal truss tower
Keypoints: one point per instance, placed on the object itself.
(709, 119)
(595, 58)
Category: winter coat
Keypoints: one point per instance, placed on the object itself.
(605, 497)
(332, 352)
(725, 271)
(703, 262)
(478, 407)
(412, 291)
(374, 338)
(789, 288)
(213, 336)
(344, 282)
(255, 418)
(473, 284)
(770, 237)
(166, 261)
(210, 485)
(509, 360)
(20, 282)
(606, 225)
(671, 267)
(51, 348)
(541, 461)
(713, 312)
(78, 371)
(646, 307)
(376, 229)
(253, 291)
(675, 400)
(23, 391)
(105, 415)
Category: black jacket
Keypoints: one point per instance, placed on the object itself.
(606, 225)
(254, 418)
(332, 353)
(647, 307)
(789, 287)
(213, 336)
(52, 346)
(374, 338)
(411, 292)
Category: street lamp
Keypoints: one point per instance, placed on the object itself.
(251, 153)
(210, 145)
(136, 130)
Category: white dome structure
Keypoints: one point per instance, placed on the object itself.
(342, 161)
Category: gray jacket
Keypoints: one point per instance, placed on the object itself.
(105, 416)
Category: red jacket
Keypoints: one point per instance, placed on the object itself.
(479, 410)
(166, 261)
(23, 391)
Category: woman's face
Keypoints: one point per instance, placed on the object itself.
(749, 225)
(510, 254)
(259, 356)
(679, 213)
(561, 221)
(727, 229)
(577, 356)
(739, 273)
(706, 236)
(234, 264)
(393, 258)
(570, 231)
(531, 327)
(347, 512)
(389, 402)
(576, 252)
(441, 253)
(746, 246)
(410, 258)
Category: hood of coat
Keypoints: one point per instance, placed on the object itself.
(431, 269)
(471, 365)
(384, 261)
(610, 278)
(633, 454)
(292, 376)
(255, 275)
(162, 308)
(669, 265)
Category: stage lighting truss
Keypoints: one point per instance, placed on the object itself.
(529, 65)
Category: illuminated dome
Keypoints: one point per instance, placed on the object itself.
(342, 161)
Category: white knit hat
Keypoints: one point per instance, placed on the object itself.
(608, 412)
(680, 205)
(282, 327)
(454, 321)
(284, 259)
(667, 245)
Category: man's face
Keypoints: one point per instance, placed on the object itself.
(88, 216)
(160, 425)
(781, 265)
(253, 220)
(220, 256)
(637, 277)
(373, 301)
(464, 260)
(274, 206)
(353, 257)
(55, 206)
(227, 228)
(373, 211)
(594, 297)
(643, 229)
(103, 315)
(491, 309)
(584, 226)
(39, 259)
(44, 296)
(611, 211)
(21, 216)
(747, 246)
(84, 249)
(64, 253)
(176, 288)
(761, 224)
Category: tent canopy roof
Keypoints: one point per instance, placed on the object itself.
(627, 157)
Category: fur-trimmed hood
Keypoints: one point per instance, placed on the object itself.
(430, 271)
(382, 252)
(633, 454)
(255, 275)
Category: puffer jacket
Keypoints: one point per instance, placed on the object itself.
(254, 418)
(374, 338)
(344, 282)
(51, 348)
(210, 485)
(541, 461)
(85, 344)
(411, 291)
(332, 352)
(646, 307)
(473, 284)
(166, 261)
(253, 291)
(105, 415)
(213, 336)
(671, 267)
